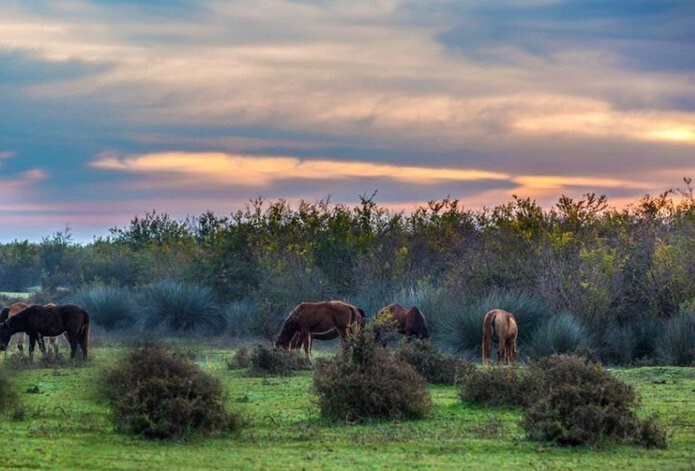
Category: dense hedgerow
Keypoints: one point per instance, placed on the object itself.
(435, 366)
(581, 403)
(157, 394)
(368, 382)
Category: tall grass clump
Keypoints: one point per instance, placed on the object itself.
(110, 307)
(580, 403)
(637, 342)
(171, 306)
(239, 317)
(157, 394)
(462, 330)
(367, 382)
(677, 343)
(560, 334)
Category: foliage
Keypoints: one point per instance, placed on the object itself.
(499, 386)
(435, 366)
(240, 360)
(171, 306)
(559, 334)
(9, 398)
(368, 382)
(110, 307)
(267, 361)
(157, 394)
(581, 403)
(677, 344)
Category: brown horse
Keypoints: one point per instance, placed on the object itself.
(14, 309)
(500, 326)
(409, 322)
(41, 321)
(322, 320)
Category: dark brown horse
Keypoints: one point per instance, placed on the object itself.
(394, 317)
(323, 320)
(500, 326)
(14, 309)
(41, 321)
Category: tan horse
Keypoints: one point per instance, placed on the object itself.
(409, 322)
(500, 326)
(14, 309)
(322, 320)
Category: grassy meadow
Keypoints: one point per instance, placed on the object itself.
(66, 426)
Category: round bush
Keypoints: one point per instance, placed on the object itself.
(498, 387)
(157, 394)
(171, 306)
(267, 361)
(436, 367)
(111, 307)
(580, 403)
(368, 382)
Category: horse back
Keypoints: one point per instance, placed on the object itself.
(52, 321)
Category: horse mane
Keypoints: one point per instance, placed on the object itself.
(420, 324)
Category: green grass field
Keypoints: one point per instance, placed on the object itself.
(67, 427)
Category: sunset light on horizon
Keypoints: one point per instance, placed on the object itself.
(111, 109)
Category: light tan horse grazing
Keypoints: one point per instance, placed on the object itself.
(321, 320)
(500, 326)
(14, 309)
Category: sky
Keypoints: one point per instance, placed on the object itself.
(113, 108)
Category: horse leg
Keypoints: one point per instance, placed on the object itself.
(32, 344)
(501, 352)
(306, 342)
(20, 343)
(486, 350)
(54, 344)
(42, 345)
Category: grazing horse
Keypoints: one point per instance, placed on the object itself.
(322, 320)
(14, 309)
(500, 326)
(41, 321)
(409, 322)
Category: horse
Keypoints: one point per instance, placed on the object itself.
(410, 322)
(500, 326)
(16, 308)
(320, 320)
(40, 321)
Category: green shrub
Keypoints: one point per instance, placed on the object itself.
(560, 334)
(239, 317)
(677, 343)
(637, 342)
(581, 403)
(369, 382)
(157, 394)
(171, 306)
(436, 367)
(110, 307)
(267, 361)
(241, 359)
(498, 387)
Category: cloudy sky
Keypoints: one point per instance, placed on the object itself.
(110, 109)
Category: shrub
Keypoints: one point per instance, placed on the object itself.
(498, 386)
(111, 307)
(677, 343)
(159, 395)
(368, 382)
(580, 403)
(627, 344)
(172, 306)
(239, 317)
(9, 399)
(240, 359)
(560, 334)
(267, 361)
(435, 366)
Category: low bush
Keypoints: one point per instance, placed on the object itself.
(677, 344)
(157, 394)
(637, 342)
(241, 359)
(368, 382)
(498, 386)
(175, 307)
(581, 403)
(560, 334)
(111, 307)
(435, 366)
(268, 361)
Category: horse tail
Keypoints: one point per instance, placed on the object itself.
(420, 324)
